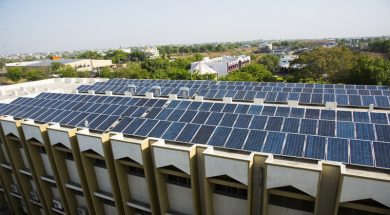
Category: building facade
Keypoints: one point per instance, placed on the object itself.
(221, 65)
(48, 168)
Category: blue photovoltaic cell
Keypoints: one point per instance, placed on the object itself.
(173, 131)
(345, 129)
(258, 122)
(361, 117)
(367, 100)
(217, 107)
(146, 127)
(237, 138)
(176, 115)
(326, 128)
(241, 109)
(315, 147)
(188, 133)
(173, 104)
(328, 114)
(206, 106)
(297, 112)
(188, 116)
(243, 121)
(304, 98)
(229, 108)
(153, 113)
(344, 115)
(159, 129)
(255, 140)
(312, 113)
(203, 134)
(380, 118)
(361, 152)
(274, 143)
(338, 150)
(365, 131)
(221, 134)
(255, 109)
(283, 111)
(342, 99)
(201, 117)
(308, 126)
(164, 114)
(268, 111)
(382, 152)
(291, 125)
(274, 123)
(194, 105)
(228, 119)
(133, 126)
(294, 145)
(383, 132)
(214, 118)
(183, 105)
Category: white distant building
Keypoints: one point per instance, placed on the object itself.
(152, 51)
(284, 62)
(78, 64)
(220, 65)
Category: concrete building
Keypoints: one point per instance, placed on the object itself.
(222, 65)
(54, 168)
(78, 64)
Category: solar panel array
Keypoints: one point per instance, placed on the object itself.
(271, 92)
(351, 137)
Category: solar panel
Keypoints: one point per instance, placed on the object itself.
(221, 134)
(237, 138)
(308, 126)
(146, 127)
(338, 150)
(188, 133)
(258, 122)
(159, 129)
(294, 145)
(365, 131)
(383, 132)
(274, 123)
(345, 129)
(315, 147)
(255, 140)
(228, 119)
(274, 143)
(382, 152)
(361, 153)
(326, 128)
(173, 131)
(203, 134)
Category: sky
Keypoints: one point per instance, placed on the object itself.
(28, 26)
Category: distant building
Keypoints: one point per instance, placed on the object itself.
(265, 48)
(220, 65)
(78, 64)
(284, 62)
(152, 51)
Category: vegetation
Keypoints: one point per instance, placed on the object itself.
(341, 65)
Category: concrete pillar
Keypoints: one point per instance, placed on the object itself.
(149, 95)
(199, 98)
(258, 101)
(292, 103)
(91, 92)
(172, 96)
(108, 93)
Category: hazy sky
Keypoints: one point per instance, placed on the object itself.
(55, 25)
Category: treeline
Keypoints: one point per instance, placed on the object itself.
(340, 65)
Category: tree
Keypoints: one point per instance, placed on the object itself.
(138, 56)
(330, 63)
(55, 66)
(89, 55)
(67, 72)
(238, 76)
(152, 65)
(34, 75)
(271, 62)
(370, 70)
(14, 73)
(258, 71)
(106, 72)
(118, 56)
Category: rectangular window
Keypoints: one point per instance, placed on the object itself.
(177, 180)
(69, 156)
(231, 191)
(287, 202)
(42, 150)
(100, 163)
(136, 171)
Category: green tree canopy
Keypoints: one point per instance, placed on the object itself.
(14, 73)
(67, 72)
(118, 56)
(89, 55)
(271, 62)
(258, 71)
(34, 75)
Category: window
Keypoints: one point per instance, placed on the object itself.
(69, 156)
(42, 150)
(136, 171)
(287, 202)
(100, 163)
(231, 191)
(177, 180)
